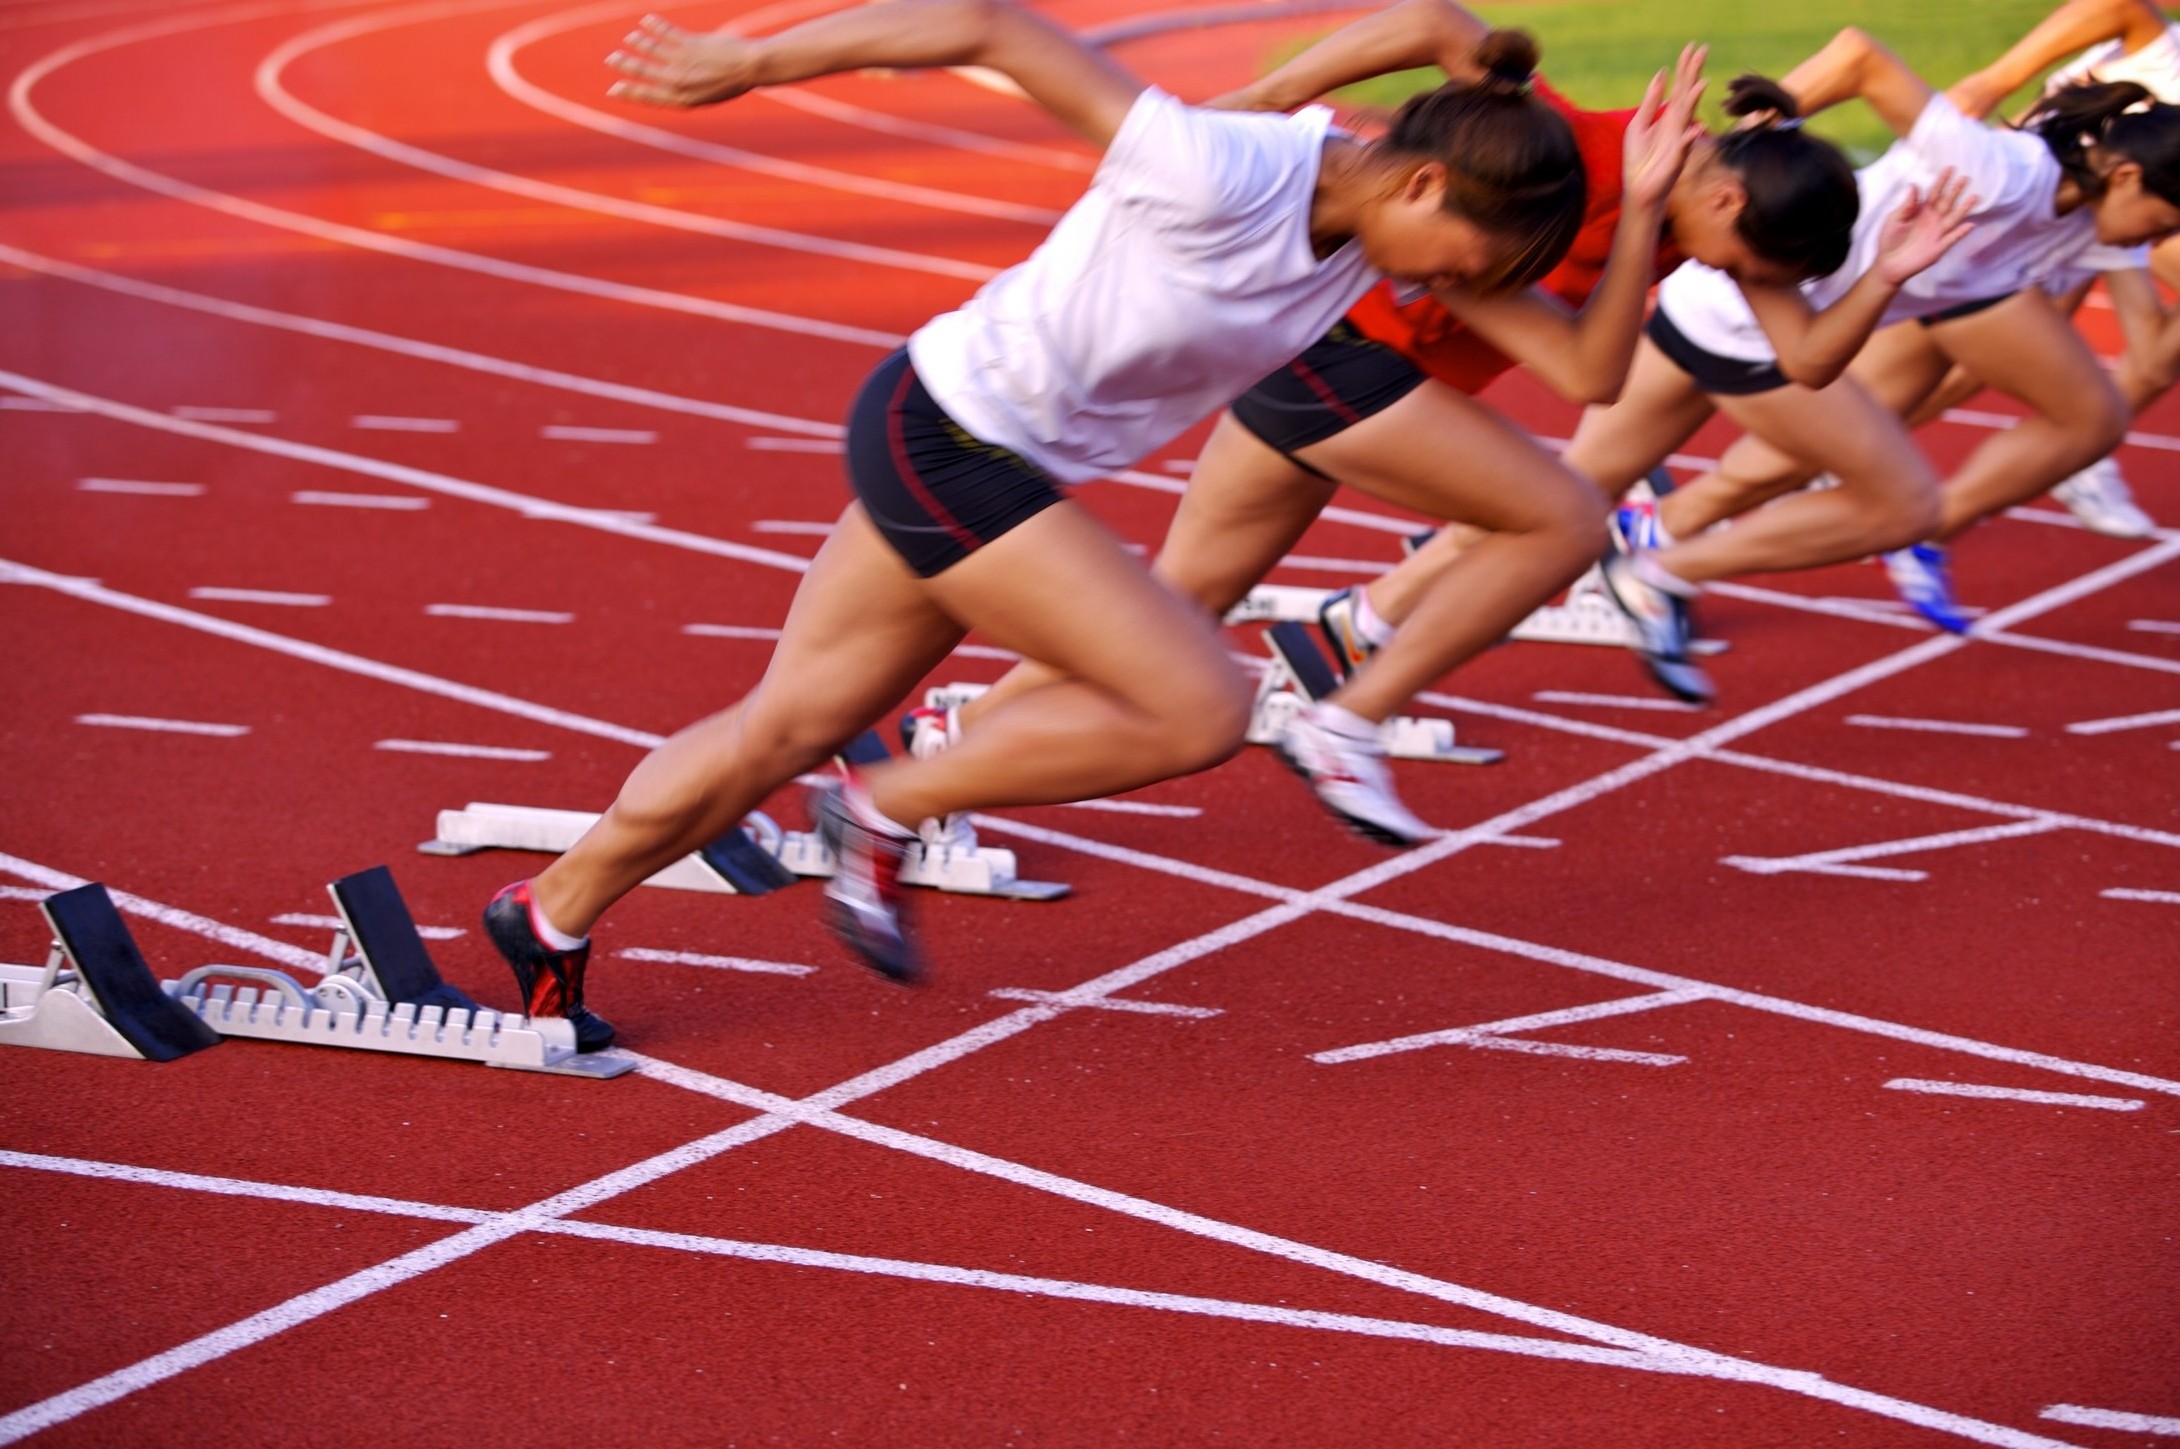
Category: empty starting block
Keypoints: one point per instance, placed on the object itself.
(95, 994)
(380, 992)
(1300, 674)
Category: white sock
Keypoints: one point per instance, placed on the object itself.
(866, 814)
(551, 934)
(1343, 722)
(1658, 576)
(1370, 623)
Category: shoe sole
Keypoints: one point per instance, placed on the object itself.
(1369, 830)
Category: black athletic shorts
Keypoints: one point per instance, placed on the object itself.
(1965, 309)
(937, 493)
(1726, 376)
(1343, 378)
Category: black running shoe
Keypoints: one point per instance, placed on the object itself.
(1661, 630)
(863, 900)
(551, 982)
(1336, 621)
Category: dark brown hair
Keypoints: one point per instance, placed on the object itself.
(1802, 200)
(1512, 166)
(2120, 119)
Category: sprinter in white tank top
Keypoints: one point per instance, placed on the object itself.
(1234, 240)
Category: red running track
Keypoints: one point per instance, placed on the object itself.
(1691, 1205)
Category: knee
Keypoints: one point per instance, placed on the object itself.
(1907, 508)
(1574, 516)
(2104, 424)
(1209, 721)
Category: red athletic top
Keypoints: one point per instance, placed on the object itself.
(1443, 346)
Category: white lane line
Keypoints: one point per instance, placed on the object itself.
(261, 596)
(330, 331)
(720, 963)
(2153, 626)
(2124, 722)
(225, 415)
(795, 445)
(138, 486)
(500, 63)
(1106, 1003)
(529, 506)
(294, 957)
(164, 726)
(563, 433)
(846, 1262)
(2014, 1094)
(274, 94)
(1614, 701)
(1183, 466)
(2082, 651)
(986, 651)
(730, 631)
(509, 616)
(91, 591)
(2112, 1419)
(1468, 1035)
(34, 405)
(335, 923)
(81, 151)
(389, 503)
(380, 423)
(1137, 807)
(2121, 893)
(1839, 862)
(1311, 563)
(467, 752)
(1938, 726)
(22, 893)
(808, 527)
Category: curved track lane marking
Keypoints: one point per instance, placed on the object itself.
(500, 64)
(267, 80)
(75, 148)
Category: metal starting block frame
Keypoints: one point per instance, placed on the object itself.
(381, 992)
(1586, 616)
(95, 994)
(979, 870)
(1299, 675)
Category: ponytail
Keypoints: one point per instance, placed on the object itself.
(1802, 199)
(1511, 163)
(2120, 120)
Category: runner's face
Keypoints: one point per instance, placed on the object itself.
(2130, 214)
(1414, 238)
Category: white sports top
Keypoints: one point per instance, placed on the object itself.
(1180, 278)
(2018, 241)
(2156, 66)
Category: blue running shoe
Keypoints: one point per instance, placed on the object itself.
(1924, 577)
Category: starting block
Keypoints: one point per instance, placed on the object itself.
(745, 861)
(1586, 616)
(95, 994)
(380, 992)
(1300, 675)
(750, 860)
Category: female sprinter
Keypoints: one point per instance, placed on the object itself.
(2092, 177)
(1209, 248)
(1357, 410)
(2119, 40)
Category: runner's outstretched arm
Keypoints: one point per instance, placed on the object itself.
(1406, 36)
(2074, 26)
(1078, 83)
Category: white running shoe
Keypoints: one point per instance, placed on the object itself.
(1661, 629)
(1351, 780)
(1923, 575)
(2100, 498)
(926, 732)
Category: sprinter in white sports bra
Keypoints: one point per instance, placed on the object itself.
(1211, 247)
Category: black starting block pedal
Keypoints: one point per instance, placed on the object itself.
(1299, 675)
(381, 992)
(1312, 673)
(746, 865)
(95, 994)
(867, 748)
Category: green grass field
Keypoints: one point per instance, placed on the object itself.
(1602, 52)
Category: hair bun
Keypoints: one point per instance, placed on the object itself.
(1508, 59)
(1749, 95)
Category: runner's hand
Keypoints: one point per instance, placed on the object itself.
(669, 66)
(1663, 129)
(1925, 227)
